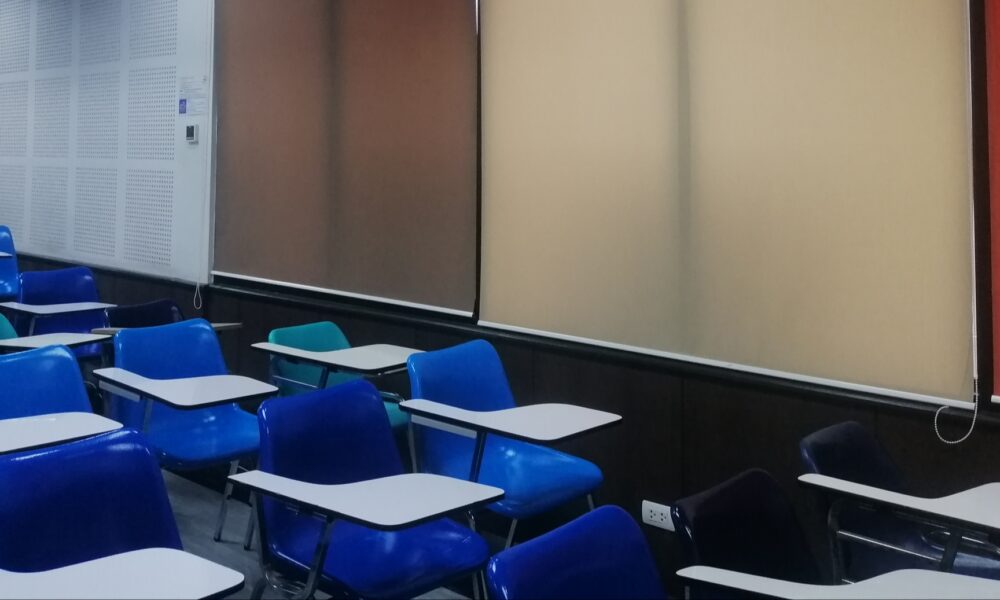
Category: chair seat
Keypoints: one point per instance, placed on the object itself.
(385, 564)
(534, 478)
(199, 438)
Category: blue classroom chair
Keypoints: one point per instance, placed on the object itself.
(40, 382)
(9, 284)
(849, 451)
(322, 336)
(81, 501)
(599, 556)
(148, 314)
(6, 329)
(342, 435)
(185, 439)
(535, 478)
(59, 286)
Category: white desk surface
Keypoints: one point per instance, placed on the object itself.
(215, 326)
(28, 433)
(387, 503)
(975, 506)
(372, 359)
(906, 583)
(52, 339)
(189, 392)
(6, 255)
(533, 423)
(151, 573)
(55, 309)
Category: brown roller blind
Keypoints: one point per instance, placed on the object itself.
(347, 146)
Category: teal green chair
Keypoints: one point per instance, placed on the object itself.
(295, 377)
(6, 329)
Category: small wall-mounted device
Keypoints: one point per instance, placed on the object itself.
(191, 134)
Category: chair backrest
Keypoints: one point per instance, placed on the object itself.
(468, 376)
(849, 451)
(745, 524)
(81, 501)
(39, 382)
(317, 337)
(149, 314)
(9, 282)
(6, 329)
(59, 286)
(184, 349)
(329, 436)
(601, 556)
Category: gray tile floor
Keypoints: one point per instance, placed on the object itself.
(196, 508)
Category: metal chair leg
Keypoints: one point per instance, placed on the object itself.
(258, 588)
(251, 522)
(233, 466)
(590, 501)
(510, 534)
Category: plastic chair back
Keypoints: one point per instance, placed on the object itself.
(599, 556)
(745, 524)
(39, 382)
(9, 282)
(849, 451)
(317, 337)
(468, 376)
(81, 501)
(60, 286)
(6, 329)
(150, 314)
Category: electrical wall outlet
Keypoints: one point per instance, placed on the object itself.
(657, 515)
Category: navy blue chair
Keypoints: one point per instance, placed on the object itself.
(850, 452)
(599, 556)
(534, 478)
(149, 314)
(40, 382)
(60, 286)
(744, 524)
(185, 439)
(9, 284)
(81, 501)
(342, 435)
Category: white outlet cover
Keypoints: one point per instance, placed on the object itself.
(657, 515)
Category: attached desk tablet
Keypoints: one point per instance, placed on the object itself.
(152, 573)
(30, 433)
(6, 255)
(51, 339)
(43, 310)
(374, 360)
(971, 511)
(913, 584)
(538, 423)
(215, 326)
(184, 393)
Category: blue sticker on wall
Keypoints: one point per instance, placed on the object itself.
(183, 106)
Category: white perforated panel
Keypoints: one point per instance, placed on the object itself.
(54, 34)
(97, 115)
(149, 214)
(100, 31)
(15, 22)
(13, 187)
(152, 28)
(51, 135)
(152, 97)
(96, 216)
(48, 207)
(14, 118)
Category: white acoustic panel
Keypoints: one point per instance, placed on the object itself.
(96, 216)
(15, 33)
(98, 115)
(152, 28)
(13, 188)
(48, 207)
(152, 98)
(54, 34)
(149, 216)
(14, 118)
(100, 31)
(51, 135)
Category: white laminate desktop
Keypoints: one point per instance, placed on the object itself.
(6, 255)
(29, 433)
(152, 573)
(912, 584)
(975, 506)
(535, 422)
(371, 360)
(385, 503)
(215, 326)
(189, 392)
(52, 339)
(41, 310)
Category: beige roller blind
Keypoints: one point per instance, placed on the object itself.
(780, 184)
